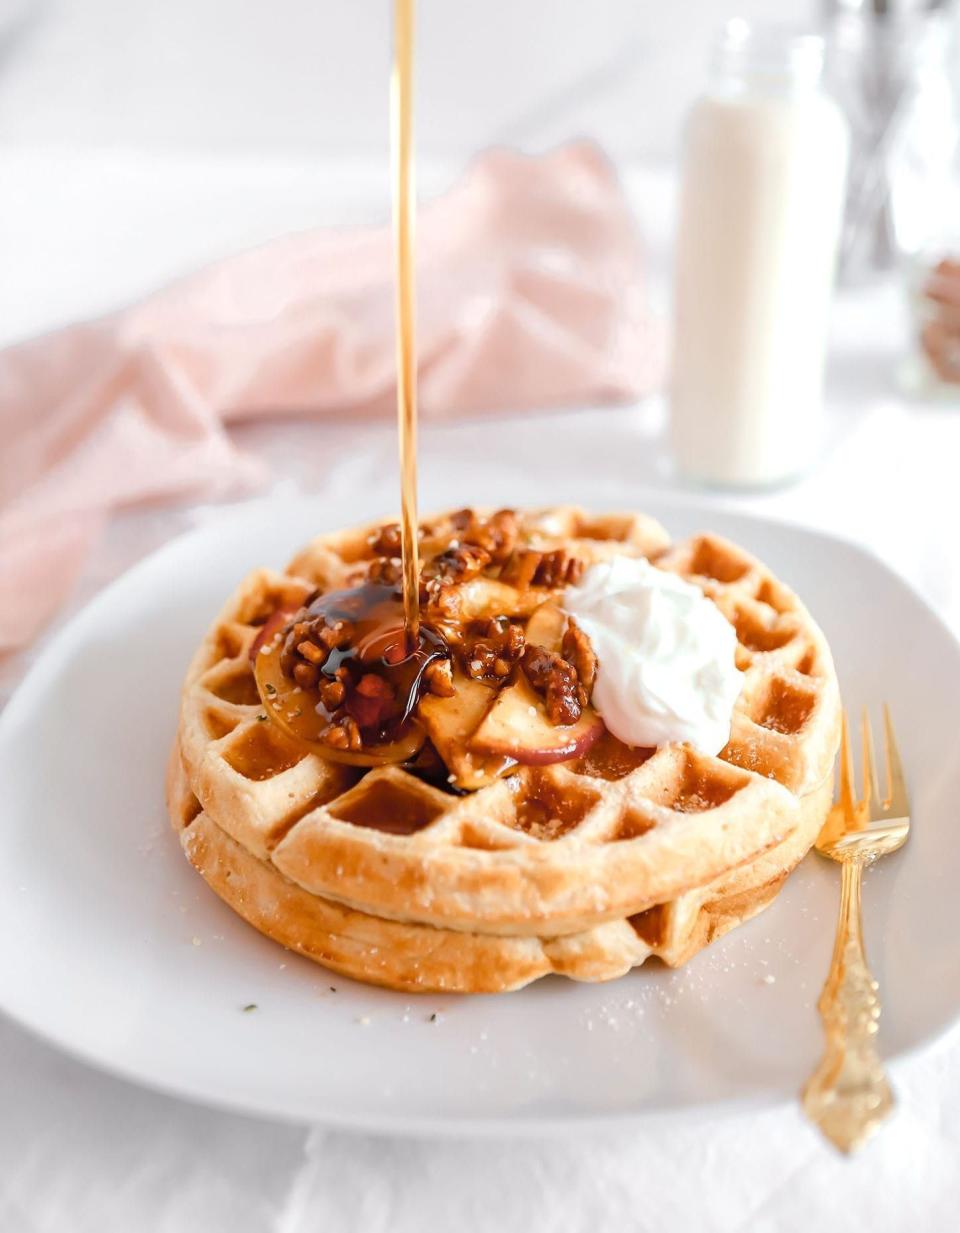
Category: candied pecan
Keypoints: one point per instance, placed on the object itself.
(577, 650)
(332, 694)
(462, 518)
(386, 540)
(311, 652)
(493, 652)
(306, 675)
(507, 636)
(557, 682)
(557, 569)
(388, 571)
(483, 661)
(438, 678)
(336, 737)
(296, 632)
(496, 534)
(530, 567)
(344, 734)
(458, 563)
(335, 634)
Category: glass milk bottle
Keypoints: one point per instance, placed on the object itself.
(761, 206)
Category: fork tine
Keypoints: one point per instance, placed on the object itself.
(897, 801)
(870, 792)
(847, 801)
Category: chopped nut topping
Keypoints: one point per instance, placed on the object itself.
(462, 518)
(359, 676)
(576, 650)
(457, 564)
(337, 634)
(386, 570)
(528, 567)
(306, 675)
(344, 734)
(364, 683)
(557, 569)
(492, 653)
(311, 652)
(497, 534)
(446, 603)
(332, 694)
(558, 684)
(386, 540)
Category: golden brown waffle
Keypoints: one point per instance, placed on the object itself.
(552, 850)
(421, 958)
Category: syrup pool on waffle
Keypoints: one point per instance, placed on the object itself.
(345, 675)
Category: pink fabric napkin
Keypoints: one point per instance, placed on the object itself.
(531, 294)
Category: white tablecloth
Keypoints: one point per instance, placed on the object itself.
(80, 1150)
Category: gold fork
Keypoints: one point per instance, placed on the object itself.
(848, 1095)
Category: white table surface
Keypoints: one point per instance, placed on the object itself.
(80, 1150)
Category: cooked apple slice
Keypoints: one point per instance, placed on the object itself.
(516, 726)
(451, 722)
(483, 598)
(545, 628)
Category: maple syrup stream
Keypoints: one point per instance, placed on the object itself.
(381, 647)
(404, 221)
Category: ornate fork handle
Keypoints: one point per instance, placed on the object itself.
(848, 1095)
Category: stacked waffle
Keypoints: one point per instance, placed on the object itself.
(583, 866)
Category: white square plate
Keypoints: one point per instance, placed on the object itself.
(113, 948)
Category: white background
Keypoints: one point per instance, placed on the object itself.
(282, 89)
(293, 75)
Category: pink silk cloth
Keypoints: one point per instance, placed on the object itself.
(531, 294)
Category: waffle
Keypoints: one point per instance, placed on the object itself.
(423, 959)
(585, 866)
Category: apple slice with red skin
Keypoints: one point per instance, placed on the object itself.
(516, 726)
(270, 628)
(450, 723)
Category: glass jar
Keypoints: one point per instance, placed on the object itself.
(891, 65)
(762, 196)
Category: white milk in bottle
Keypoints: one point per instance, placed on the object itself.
(762, 199)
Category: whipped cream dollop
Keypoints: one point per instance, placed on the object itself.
(666, 670)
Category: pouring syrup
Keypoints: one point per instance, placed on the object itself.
(381, 669)
(404, 221)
